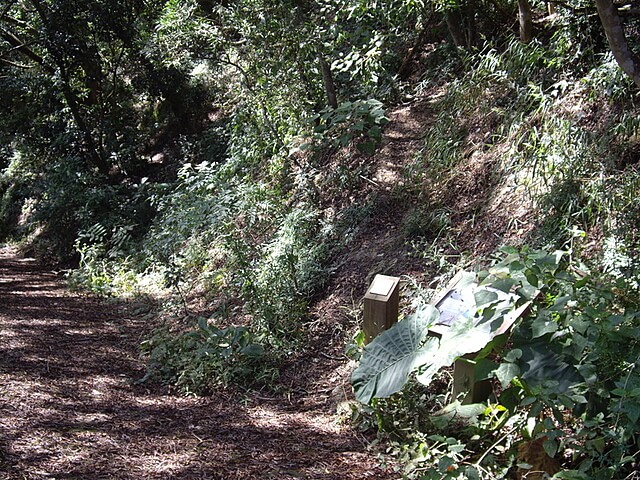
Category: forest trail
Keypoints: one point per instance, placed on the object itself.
(70, 407)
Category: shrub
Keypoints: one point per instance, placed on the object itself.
(567, 373)
(207, 357)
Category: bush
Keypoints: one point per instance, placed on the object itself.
(207, 357)
(567, 373)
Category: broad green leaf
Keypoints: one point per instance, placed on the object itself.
(484, 369)
(253, 350)
(516, 266)
(531, 277)
(485, 297)
(560, 303)
(571, 475)
(588, 373)
(343, 140)
(542, 325)
(368, 148)
(513, 355)
(393, 355)
(632, 410)
(507, 372)
(504, 284)
(375, 133)
(550, 447)
(527, 291)
(463, 337)
(539, 365)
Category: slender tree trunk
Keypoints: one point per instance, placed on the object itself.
(628, 61)
(461, 24)
(96, 154)
(454, 21)
(329, 86)
(526, 21)
(469, 14)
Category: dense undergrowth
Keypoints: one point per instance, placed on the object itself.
(560, 142)
(242, 203)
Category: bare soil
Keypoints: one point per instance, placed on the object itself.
(70, 407)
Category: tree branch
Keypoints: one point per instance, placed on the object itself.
(22, 47)
(14, 64)
(7, 8)
(263, 107)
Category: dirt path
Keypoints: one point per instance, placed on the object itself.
(69, 407)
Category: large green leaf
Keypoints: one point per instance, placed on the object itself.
(541, 365)
(464, 336)
(393, 355)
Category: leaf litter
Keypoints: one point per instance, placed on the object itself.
(70, 406)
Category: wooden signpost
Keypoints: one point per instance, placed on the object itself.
(452, 302)
(457, 299)
(380, 305)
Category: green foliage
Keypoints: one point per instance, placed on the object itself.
(287, 274)
(567, 374)
(207, 357)
(393, 355)
(579, 358)
(427, 221)
(153, 139)
(104, 266)
(360, 120)
(405, 348)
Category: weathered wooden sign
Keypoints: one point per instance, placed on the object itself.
(453, 302)
(380, 305)
(456, 301)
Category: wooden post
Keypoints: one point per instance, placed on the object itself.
(453, 301)
(464, 380)
(380, 305)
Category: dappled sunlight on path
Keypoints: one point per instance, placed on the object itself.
(70, 407)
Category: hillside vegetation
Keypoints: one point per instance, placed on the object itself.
(248, 166)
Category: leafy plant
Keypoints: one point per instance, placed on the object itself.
(568, 372)
(278, 286)
(406, 348)
(393, 355)
(361, 120)
(207, 357)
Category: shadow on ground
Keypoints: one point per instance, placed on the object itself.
(70, 407)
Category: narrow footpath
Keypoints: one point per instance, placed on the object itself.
(70, 407)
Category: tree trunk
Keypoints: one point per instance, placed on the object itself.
(526, 22)
(454, 24)
(628, 61)
(96, 155)
(329, 86)
(461, 24)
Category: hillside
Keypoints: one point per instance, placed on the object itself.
(225, 179)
